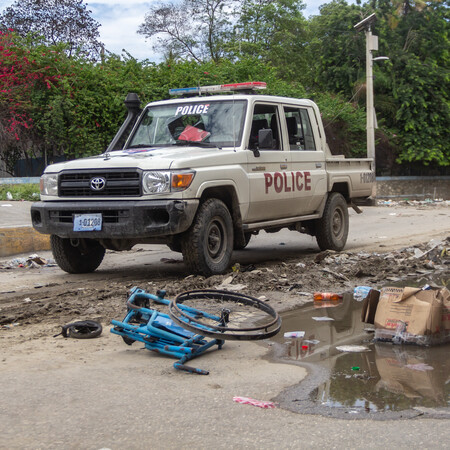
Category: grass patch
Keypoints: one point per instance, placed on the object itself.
(28, 191)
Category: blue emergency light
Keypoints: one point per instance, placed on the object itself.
(250, 85)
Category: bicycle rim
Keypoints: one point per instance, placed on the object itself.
(224, 315)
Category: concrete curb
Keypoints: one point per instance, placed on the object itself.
(17, 240)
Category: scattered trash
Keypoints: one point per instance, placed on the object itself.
(318, 296)
(32, 262)
(311, 341)
(353, 348)
(83, 329)
(27, 300)
(253, 402)
(10, 325)
(9, 196)
(322, 318)
(7, 205)
(335, 274)
(233, 287)
(294, 334)
(305, 347)
(361, 292)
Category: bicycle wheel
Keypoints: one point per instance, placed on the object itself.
(224, 315)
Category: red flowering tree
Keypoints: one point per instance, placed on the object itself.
(20, 76)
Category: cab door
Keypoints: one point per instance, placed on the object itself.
(309, 178)
(267, 168)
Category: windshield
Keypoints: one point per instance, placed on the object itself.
(217, 123)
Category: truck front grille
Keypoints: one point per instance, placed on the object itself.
(109, 216)
(118, 183)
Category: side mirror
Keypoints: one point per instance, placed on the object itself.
(265, 139)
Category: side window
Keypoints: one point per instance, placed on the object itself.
(299, 129)
(265, 117)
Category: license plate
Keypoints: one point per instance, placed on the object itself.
(87, 222)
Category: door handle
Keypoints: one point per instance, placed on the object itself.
(318, 165)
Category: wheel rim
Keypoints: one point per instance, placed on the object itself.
(338, 223)
(216, 239)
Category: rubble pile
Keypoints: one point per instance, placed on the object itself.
(287, 284)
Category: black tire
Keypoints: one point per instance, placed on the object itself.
(207, 246)
(332, 228)
(243, 243)
(84, 258)
(84, 329)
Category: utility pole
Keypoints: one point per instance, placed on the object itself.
(371, 45)
(371, 120)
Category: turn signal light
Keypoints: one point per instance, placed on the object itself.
(181, 181)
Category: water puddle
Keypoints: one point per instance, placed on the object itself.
(384, 378)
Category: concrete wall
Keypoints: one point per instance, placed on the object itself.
(414, 188)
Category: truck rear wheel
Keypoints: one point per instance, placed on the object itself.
(332, 228)
(207, 246)
(83, 258)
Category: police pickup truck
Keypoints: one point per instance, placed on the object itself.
(202, 173)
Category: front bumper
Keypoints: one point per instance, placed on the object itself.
(120, 219)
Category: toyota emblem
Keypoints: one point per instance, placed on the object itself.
(98, 183)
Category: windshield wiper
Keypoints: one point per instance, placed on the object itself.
(196, 143)
(140, 146)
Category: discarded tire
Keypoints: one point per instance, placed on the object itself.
(84, 329)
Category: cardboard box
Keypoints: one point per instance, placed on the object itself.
(369, 307)
(413, 315)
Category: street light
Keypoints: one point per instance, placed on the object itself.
(371, 45)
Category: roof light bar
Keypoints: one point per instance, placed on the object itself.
(251, 85)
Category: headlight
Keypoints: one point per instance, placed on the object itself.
(163, 182)
(49, 184)
(156, 182)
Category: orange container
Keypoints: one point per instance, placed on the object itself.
(318, 296)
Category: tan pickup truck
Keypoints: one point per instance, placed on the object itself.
(202, 174)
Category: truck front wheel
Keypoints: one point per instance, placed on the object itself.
(82, 258)
(332, 228)
(207, 246)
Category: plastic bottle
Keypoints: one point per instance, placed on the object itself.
(361, 292)
(318, 296)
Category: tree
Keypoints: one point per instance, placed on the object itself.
(276, 31)
(192, 29)
(57, 21)
(417, 42)
(336, 50)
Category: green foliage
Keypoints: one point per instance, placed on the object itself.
(29, 192)
(337, 51)
(345, 125)
(274, 31)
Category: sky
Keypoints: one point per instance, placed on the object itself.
(120, 20)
